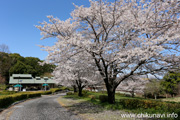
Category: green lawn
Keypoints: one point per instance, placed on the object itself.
(88, 95)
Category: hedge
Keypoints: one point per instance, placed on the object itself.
(53, 90)
(9, 99)
(46, 92)
(7, 92)
(158, 106)
(70, 93)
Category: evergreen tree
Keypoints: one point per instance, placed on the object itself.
(170, 83)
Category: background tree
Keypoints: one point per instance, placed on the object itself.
(46, 70)
(124, 38)
(170, 83)
(14, 63)
(19, 68)
(29, 65)
(16, 57)
(4, 48)
(134, 85)
(5, 65)
(153, 88)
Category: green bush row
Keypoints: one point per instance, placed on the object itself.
(53, 90)
(46, 92)
(84, 93)
(7, 92)
(158, 106)
(12, 96)
(58, 89)
(64, 88)
(70, 93)
(9, 99)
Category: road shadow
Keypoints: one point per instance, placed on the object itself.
(84, 107)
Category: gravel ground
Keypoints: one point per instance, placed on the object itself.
(44, 108)
(89, 111)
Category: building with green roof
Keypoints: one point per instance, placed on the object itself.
(30, 83)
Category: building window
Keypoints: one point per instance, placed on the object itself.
(38, 78)
(22, 77)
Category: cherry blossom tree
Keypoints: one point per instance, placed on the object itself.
(76, 72)
(124, 38)
(134, 85)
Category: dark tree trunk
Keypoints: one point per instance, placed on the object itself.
(80, 87)
(74, 88)
(132, 93)
(110, 91)
(80, 91)
(111, 96)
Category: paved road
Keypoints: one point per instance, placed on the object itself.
(44, 108)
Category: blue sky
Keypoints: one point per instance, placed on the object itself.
(19, 17)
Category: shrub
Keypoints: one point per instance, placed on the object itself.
(55, 89)
(92, 97)
(71, 89)
(6, 101)
(18, 97)
(7, 92)
(64, 88)
(9, 99)
(84, 92)
(70, 93)
(152, 105)
(103, 98)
